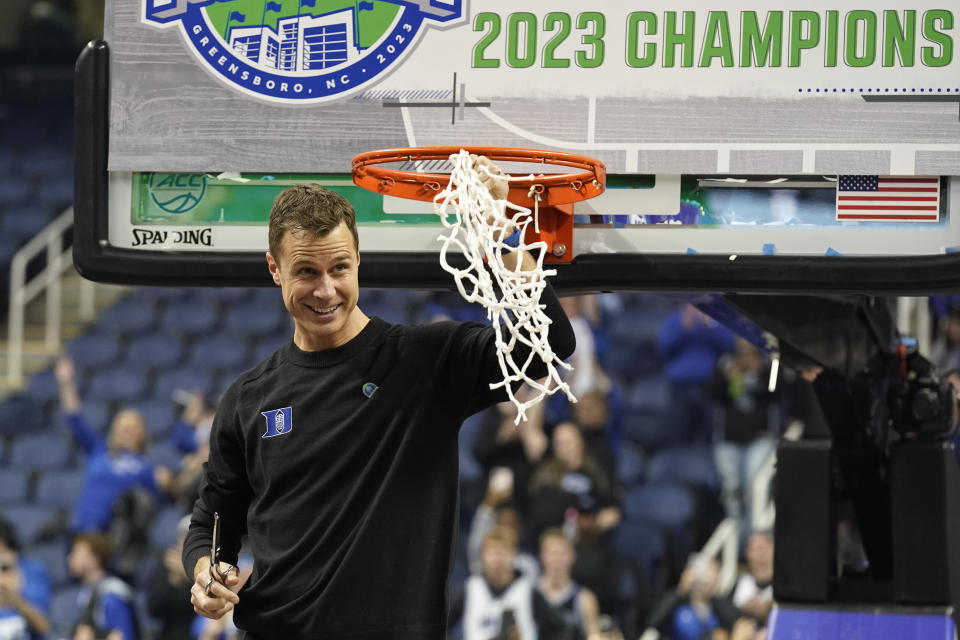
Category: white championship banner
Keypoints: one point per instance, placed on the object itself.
(692, 87)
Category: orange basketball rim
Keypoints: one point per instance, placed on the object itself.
(553, 194)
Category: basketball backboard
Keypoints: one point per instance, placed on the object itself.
(725, 131)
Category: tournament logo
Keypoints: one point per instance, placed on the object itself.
(301, 51)
(177, 192)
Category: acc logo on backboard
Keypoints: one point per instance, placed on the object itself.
(300, 51)
(177, 192)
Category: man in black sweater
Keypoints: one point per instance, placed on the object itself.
(337, 455)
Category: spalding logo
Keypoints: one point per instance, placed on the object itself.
(301, 51)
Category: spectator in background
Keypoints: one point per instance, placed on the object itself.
(696, 617)
(501, 603)
(591, 413)
(587, 375)
(588, 379)
(48, 31)
(191, 436)
(108, 604)
(24, 591)
(571, 478)
(570, 490)
(196, 420)
(167, 592)
(748, 426)
(577, 604)
(945, 350)
(116, 469)
(694, 609)
(497, 510)
(753, 593)
(690, 344)
(501, 442)
(745, 629)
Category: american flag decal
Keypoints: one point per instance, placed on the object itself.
(888, 198)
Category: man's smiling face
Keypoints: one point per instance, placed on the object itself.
(318, 278)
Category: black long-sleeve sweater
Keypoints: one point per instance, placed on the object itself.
(341, 466)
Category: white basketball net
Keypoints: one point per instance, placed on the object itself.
(478, 224)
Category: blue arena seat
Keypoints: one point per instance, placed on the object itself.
(636, 326)
(667, 505)
(57, 191)
(59, 489)
(44, 161)
(165, 295)
(650, 430)
(132, 316)
(191, 317)
(96, 412)
(20, 414)
(53, 556)
(387, 311)
(229, 295)
(8, 247)
(122, 384)
(14, 486)
(163, 531)
(13, 191)
(630, 363)
(94, 350)
(651, 394)
(690, 465)
(29, 521)
(43, 386)
(160, 415)
(186, 379)
(220, 351)
(9, 160)
(268, 297)
(24, 222)
(40, 451)
(631, 466)
(640, 543)
(158, 350)
(268, 345)
(65, 610)
(253, 320)
(164, 454)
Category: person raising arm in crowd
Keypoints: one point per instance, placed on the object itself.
(115, 465)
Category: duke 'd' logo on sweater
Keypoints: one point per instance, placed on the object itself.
(279, 422)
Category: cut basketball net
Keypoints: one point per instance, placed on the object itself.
(481, 226)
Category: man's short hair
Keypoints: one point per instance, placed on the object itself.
(100, 546)
(311, 209)
(502, 535)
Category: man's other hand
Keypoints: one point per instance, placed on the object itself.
(216, 602)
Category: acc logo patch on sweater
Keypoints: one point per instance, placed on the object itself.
(279, 422)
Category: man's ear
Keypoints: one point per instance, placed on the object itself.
(274, 268)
